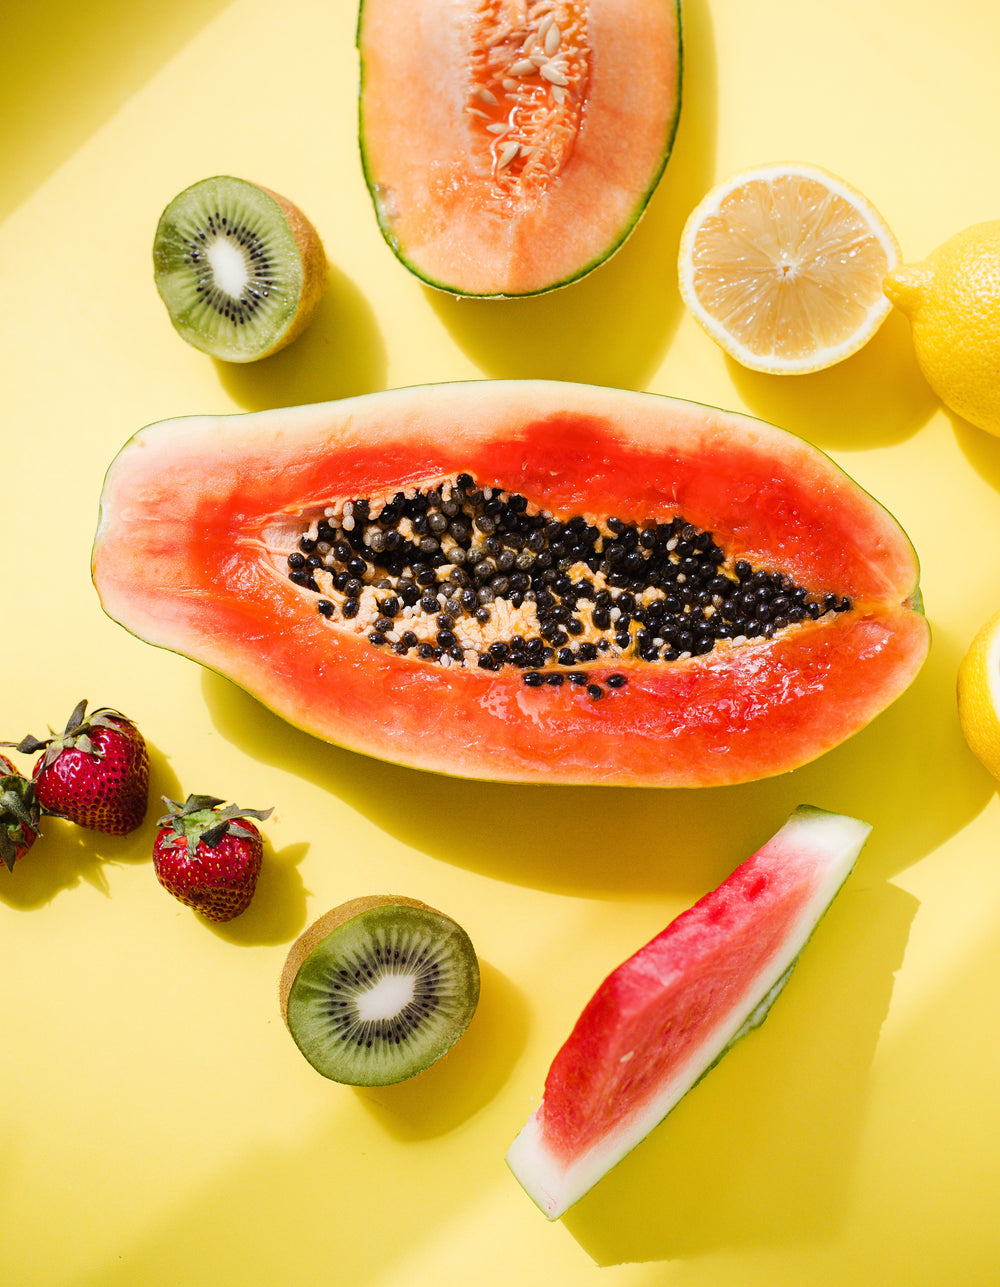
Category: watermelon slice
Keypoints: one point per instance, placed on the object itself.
(662, 1019)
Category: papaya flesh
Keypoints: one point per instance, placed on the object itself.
(511, 148)
(205, 521)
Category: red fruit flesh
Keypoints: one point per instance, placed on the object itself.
(198, 517)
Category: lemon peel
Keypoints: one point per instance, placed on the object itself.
(783, 266)
(979, 695)
(952, 300)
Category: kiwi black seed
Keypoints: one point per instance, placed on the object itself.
(239, 267)
(378, 989)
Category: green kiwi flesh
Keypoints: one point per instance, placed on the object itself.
(376, 990)
(240, 268)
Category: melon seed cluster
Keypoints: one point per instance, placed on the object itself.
(464, 575)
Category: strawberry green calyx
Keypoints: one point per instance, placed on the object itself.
(201, 820)
(19, 814)
(75, 736)
(208, 854)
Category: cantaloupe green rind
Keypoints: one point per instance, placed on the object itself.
(585, 1078)
(559, 244)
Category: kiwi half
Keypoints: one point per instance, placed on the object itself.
(239, 267)
(378, 989)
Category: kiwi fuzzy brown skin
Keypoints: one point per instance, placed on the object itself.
(314, 269)
(330, 1060)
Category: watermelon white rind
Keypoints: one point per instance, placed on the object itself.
(669, 1013)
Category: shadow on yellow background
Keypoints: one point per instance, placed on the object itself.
(69, 67)
(278, 911)
(340, 354)
(981, 450)
(464, 1080)
(874, 398)
(579, 840)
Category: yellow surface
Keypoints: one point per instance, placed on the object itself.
(158, 1125)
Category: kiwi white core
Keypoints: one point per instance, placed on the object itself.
(229, 267)
(385, 1000)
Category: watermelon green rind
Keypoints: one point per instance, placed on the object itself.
(590, 1116)
(383, 201)
(180, 559)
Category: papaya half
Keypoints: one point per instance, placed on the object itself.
(520, 580)
(510, 147)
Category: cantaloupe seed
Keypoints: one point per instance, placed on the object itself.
(456, 574)
(528, 81)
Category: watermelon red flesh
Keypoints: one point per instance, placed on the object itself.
(190, 506)
(666, 1015)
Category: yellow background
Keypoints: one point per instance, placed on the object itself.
(157, 1124)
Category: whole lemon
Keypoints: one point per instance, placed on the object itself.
(979, 695)
(952, 299)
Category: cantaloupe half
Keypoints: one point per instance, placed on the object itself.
(510, 146)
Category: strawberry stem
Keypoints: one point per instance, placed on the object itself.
(76, 735)
(200, 819)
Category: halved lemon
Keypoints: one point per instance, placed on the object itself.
(979, 695)
(783, 266)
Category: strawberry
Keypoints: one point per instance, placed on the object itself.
(19, 813)
(95, 774)
(209, 856)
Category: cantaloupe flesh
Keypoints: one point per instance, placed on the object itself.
(663, 1018)
(180, 560)
(431, 179)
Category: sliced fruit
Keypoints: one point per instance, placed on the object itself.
(521, 580)
(511, 148)
(378, 989)
(662, 1019)
(240, 268)
(979, 695)
(952, 300)
(783, 266)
